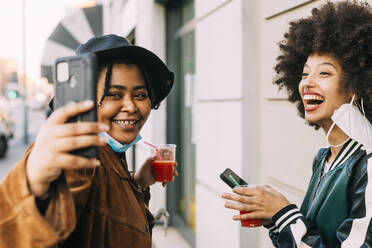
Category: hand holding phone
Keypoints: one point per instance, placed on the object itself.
(231, 178)
(75, 81)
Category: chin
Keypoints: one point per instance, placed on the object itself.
(311, 120)
(127, 140)
(124, 138)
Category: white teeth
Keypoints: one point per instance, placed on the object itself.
(313, 97)
(126, 123)
(311, 105)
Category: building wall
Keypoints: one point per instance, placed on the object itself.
(218, 60)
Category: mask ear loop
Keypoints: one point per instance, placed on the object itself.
(329, 132)
(361, 107)
(332, 126)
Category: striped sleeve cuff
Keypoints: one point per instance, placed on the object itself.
(271, 227)
(286, 216)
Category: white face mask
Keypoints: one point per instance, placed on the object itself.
(353, 123)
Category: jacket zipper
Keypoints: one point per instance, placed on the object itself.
(315, 194)
(317, 188)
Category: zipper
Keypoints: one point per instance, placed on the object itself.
(322, 175)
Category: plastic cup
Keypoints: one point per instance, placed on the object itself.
(164, 169)
(250, 222)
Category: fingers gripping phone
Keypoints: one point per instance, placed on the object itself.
(75, 81)
(231, 179)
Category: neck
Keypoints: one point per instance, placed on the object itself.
(335, 139)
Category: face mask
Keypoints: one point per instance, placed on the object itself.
(116, 145)
(353, 123)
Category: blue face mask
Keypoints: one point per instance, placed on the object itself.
(116, 145)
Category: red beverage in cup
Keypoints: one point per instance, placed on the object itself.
(165, 162)
(250, 222)
(163, 170)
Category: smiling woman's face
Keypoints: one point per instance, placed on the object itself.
(321, 89)
(127, 105)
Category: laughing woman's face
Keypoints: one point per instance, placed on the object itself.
(321, 89)
(127, 105)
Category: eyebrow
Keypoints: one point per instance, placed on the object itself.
(324, 63)
(121, 87)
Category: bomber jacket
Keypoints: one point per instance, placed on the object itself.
(337, 208)
(101, 208)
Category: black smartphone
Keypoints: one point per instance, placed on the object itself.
(231, 179)
(75, 80)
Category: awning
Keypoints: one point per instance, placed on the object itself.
(76, 28)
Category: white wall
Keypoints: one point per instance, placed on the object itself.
(218, 54)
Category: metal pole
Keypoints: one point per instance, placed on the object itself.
(25, 120)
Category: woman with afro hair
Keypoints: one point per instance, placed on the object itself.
(326, 67)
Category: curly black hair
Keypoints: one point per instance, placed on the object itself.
(340, 29)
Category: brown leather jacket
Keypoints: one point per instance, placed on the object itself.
(101, 208)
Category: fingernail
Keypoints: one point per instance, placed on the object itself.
(88, 103)
(96, 162)
(103, 127)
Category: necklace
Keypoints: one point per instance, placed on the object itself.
(341, 144)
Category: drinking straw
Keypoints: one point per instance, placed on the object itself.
(235, 182)
(156, 149)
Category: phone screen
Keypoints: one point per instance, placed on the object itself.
(232, 179)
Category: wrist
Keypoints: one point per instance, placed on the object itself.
(140, 182)
(36, 187)
(286, 216)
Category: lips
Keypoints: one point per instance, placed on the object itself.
(312, 101)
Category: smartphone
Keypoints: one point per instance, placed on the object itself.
(75, 80)
(231, 179)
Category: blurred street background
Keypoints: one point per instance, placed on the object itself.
(223, 111)
(16, 145)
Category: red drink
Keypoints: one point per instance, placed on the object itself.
(163, 170)
(250, 222)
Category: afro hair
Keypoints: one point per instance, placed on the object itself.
(340, 29)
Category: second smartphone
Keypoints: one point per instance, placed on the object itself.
(231, 178)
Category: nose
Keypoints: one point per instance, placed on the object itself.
(308, 82)
(129, 105)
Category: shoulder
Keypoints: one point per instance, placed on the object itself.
(360, 165)
(364, 157)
